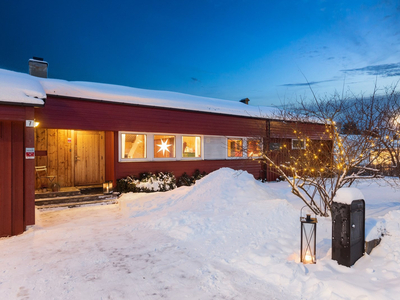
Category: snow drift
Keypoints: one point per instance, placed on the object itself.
(227, 237)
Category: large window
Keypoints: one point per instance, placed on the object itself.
(254, 148)
(133, 145)
(147, 146)
(164, 146)
(235, 147)
(191, 147)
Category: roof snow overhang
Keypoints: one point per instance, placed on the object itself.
(20, 89)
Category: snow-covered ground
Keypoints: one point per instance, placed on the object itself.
(227, 237)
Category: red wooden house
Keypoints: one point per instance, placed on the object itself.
(89, 133)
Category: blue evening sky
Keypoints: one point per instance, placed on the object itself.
(263, 50)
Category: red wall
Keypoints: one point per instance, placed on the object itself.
(17, 195)
(67, 113)
(286, 130)
(179, 167)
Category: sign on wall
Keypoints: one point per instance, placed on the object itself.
(30, 123)
(29, 153)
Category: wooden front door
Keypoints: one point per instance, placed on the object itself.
(89, 160)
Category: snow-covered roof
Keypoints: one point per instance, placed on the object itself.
(19, 88)
(23, 88)
(136, 96)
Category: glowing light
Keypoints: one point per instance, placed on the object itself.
(308, 258)
(164, 146)
(36, 124)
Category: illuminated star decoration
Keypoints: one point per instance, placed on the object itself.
(164, 146)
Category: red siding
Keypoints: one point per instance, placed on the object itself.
(179, 167)
(5, 179)
(13, 113)
(11, 178)
(63, 113)
(17, 194)
(17, 179)
(285, 130)
(78, 114)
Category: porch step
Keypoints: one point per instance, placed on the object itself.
(46, 195)
(77, 204)
(75, 200)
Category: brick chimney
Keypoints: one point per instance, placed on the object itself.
(38, 67)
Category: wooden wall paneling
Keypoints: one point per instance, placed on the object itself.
(72, 157)
(5, 179)
(68, 158)
(17, 180)
(89, 149)
(63, 158)
(61, 163)
(52, 153)
(90, 157)
(102, 156)
(78, 176)
(40, 145)
(95, 163)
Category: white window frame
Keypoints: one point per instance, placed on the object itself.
(299, 148)
(176, 148)
(247, 146)
(201, 147)
(120, 147)
(215, 147)
(244, 144)
(150, 147)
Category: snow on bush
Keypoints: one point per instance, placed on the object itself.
(148, 182)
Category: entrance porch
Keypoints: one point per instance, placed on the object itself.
(72, 157)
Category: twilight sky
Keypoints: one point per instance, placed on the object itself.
(228, 49)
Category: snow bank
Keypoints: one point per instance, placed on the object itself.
(227, 237)
(222, 196)
(19, 88)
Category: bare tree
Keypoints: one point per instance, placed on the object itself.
(386, 155)
(337, 157)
